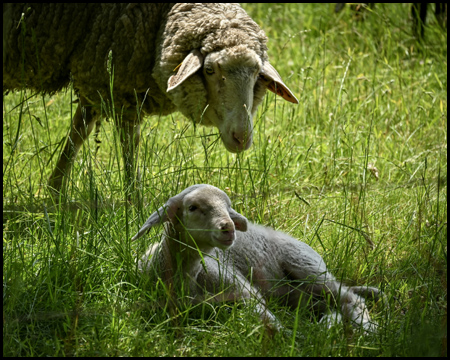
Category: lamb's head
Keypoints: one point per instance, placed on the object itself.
(202, 212)
(235, 80)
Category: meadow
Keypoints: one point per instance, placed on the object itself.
(357, 170)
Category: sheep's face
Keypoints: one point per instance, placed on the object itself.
(230, 78)
(223, 89)
(206, 216)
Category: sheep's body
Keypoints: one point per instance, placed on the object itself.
(75, 40)
(208, 61)
(262, 262)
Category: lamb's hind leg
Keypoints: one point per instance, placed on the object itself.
(369, 292)
(83, 123)
(320, 284)
(353, 306)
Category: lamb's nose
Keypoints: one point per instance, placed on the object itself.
(227, 226)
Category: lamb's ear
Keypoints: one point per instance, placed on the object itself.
(165, 213)
(240, 221)
(158, 217)
(274, 83)
(190, 65)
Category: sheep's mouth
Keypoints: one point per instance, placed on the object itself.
(234, 145)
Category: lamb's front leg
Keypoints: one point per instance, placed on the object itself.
(227, 285)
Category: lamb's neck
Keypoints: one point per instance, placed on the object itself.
(184, 252)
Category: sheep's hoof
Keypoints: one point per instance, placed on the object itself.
(54, 187)
(55, 183)
(54, 193)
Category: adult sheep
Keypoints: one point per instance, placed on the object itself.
(208, 61)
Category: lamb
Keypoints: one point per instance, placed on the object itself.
(208, 61)
(217, 255)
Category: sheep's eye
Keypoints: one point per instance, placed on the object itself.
(192, 208)
(209, 71)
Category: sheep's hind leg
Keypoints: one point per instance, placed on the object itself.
(82, 125)
(129, 133)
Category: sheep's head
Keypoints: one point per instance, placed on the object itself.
(202, 212)
(235, 80)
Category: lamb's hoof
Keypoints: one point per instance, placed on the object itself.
(332, 319)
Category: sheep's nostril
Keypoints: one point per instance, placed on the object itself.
(243, 141)
(239, 139)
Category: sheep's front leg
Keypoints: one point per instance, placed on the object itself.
(83, 123)
(129, 132)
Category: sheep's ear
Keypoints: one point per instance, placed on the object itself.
(275, 84)
(240, 222)
(190, 65)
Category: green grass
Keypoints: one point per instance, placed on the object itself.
(358, 170)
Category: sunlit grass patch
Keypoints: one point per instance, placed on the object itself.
(358, 170)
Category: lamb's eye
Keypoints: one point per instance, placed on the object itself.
(209, 70)
(192, 208)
